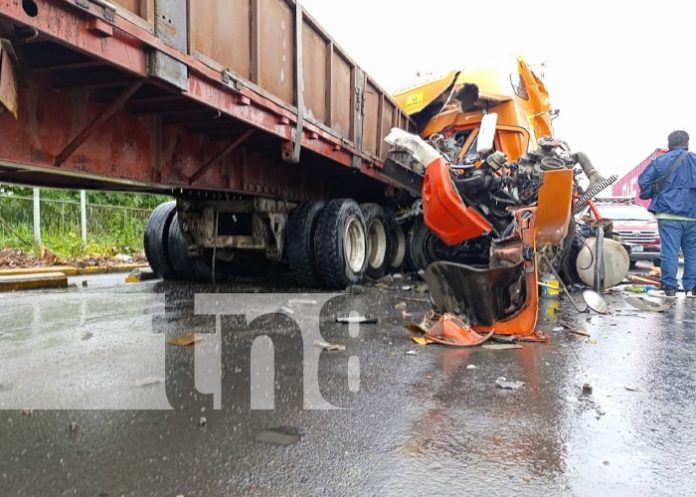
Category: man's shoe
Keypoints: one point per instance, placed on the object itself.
(670, 292)
(692, 293)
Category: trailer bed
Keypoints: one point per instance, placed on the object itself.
(245, 97)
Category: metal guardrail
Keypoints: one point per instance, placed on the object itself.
(65, 217)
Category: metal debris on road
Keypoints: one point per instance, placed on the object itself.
(503, 383)
(501, 346)
(148, 382)
(331, 347)
(649, 304)
(574, 330)
(292, 302)
(277, 436)
(357, 320)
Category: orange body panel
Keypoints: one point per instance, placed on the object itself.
(523, 324)
(554, 207)
(444, 211)
(523, 108)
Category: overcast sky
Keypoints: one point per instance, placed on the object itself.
(622, 73)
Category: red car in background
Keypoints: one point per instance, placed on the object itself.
(635, 225)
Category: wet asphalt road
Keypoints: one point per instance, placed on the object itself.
(97, 404)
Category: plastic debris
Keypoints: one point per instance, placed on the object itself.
(421, 341)
(503, 383)
(202, 421)
(632, 388)
(471, 366)
(86, 336)
(411, 352)
(331, 347)
(185, 341)
(139, 275)
(640, 288)
(587, 389)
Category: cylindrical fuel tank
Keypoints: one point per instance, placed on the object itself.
(616, 262)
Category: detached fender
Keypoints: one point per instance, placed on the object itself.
(444, 211)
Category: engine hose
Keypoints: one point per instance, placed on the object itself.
(510, 200)
(586, 164)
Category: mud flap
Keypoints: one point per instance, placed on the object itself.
(485, 296)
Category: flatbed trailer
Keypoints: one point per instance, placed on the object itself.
(241, 109)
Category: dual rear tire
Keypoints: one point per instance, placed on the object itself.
(337, 244)
(156, 240)
(166, 248)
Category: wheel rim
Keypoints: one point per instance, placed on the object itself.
(354, 245)
(378, 244)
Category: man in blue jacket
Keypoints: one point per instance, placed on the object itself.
(670, 181)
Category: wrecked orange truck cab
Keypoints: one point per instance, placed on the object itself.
(495, 182)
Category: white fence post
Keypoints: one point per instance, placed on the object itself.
(83, 215)
(37, 217)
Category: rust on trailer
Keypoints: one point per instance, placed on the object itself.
(220, 34)
(235, 79)
(8, 82)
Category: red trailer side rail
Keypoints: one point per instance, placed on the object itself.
(110, 99)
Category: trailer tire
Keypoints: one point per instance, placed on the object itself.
(420, 247)
(156, 240)
(186, 268)
(397, 254)
(341, 244)
(299, 246)
(380, 234)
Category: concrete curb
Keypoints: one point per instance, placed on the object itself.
(33, 282)
(73, 270)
